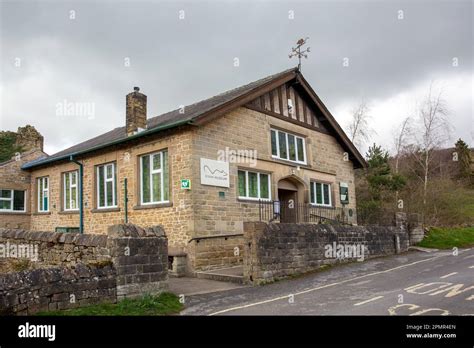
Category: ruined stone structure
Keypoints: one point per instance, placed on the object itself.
(28, 138)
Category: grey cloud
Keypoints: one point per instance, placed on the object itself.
(181, 61)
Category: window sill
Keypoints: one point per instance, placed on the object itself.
(153, 206)
(322, 206)
(13, 213)
(105, 210)
(42, 213)
(290, 163)
(244, 200)
(68, 212)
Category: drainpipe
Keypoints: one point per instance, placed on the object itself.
(125, 200)
(81, 208)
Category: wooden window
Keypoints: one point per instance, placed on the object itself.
(106, 186)
(253, 185)
(288, 146)
(12, 200)
(321, 194)
(70, 189)
(43, 194)
(154, 183)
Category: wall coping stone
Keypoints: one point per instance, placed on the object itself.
(131, 230)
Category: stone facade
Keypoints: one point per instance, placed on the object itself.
(203, 211)
(12, 177)
(215, 215)
(176, 217)
(218, 251)
(275, 251)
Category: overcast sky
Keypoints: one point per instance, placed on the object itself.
(93, 53)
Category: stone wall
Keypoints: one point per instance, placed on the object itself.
(130, 260)
(415, 227)
(140, 257)
(275, 251)
(58, 288)
(59, 249)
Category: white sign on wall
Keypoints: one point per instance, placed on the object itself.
(214, 173)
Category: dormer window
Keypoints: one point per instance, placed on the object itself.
(287, 146)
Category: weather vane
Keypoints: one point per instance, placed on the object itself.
(297, 52)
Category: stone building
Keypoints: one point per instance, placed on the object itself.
(15, 182)
(200, 171)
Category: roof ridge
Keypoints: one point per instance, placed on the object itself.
(269, 77)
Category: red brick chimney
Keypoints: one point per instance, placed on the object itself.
(136, 111)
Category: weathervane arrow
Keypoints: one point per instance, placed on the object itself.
(297, 52)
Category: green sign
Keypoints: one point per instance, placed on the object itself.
(185, 184)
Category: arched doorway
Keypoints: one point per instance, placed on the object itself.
(291, 196)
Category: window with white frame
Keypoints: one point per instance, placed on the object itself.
(106, 186)
(154, 178)
(321, 194)
(12, 200)
(288, 146)
(254, 185)
(43, 194)
(70, 189)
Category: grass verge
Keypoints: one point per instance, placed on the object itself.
(164, 304)
(446, 238)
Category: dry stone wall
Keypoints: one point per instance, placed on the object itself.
(74, 270)
(275, 251)
(55, 249)
(58, 288)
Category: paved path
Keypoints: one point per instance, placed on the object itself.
(414, 283)
(188, 286)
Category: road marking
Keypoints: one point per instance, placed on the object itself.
(361, 283)
(468, 257)
(448, 275)
(412, 307)
(325, 286)
(471, 266)
(367, 301)
(413, 286)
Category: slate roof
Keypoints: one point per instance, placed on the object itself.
(167, 120)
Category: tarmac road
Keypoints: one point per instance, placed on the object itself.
(414, 283)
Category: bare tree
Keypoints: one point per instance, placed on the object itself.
(401, 139)
(433, 131)
(358, 128)
(401, 144)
